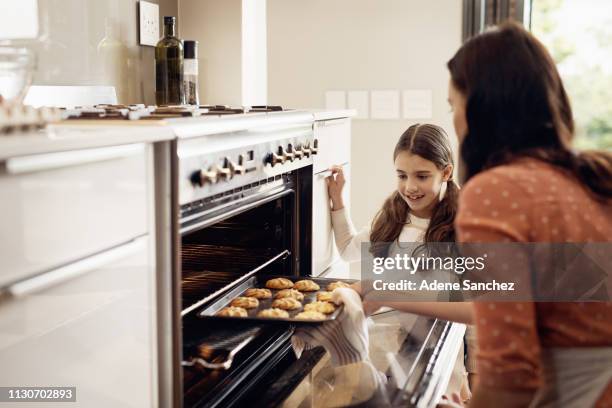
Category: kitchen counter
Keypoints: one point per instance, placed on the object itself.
(58, 138)
(322, 114)
(76, 135)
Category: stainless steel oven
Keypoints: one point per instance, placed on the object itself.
(244, 207)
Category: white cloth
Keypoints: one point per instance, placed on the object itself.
(345, 338)
(349, 241)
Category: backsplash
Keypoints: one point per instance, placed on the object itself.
(95, 42)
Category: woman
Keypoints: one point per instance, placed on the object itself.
(525, 183)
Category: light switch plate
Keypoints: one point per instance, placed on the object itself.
(384, 104)
(359, 100)
(148, 23)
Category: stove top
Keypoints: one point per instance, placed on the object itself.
(142, 112)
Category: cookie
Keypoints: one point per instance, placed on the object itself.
(258, 293)
(245, 302)
(323, 307)
(232, 311)
(338, 284)
(310, 315)
(306, 285)
(279, 283)
(324, 296)
(287, 303)
(275, 313)
(290, 293)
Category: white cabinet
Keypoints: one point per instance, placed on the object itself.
(78, 275)
(334, 143)
(59, 207)
(88, 325)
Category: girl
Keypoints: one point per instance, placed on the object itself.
(527, 184)
(421, 209)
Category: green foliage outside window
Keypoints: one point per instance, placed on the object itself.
(578, 33)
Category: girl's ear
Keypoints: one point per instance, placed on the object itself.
(447, 173)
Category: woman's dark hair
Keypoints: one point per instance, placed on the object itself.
(431, 143)
(516, 106)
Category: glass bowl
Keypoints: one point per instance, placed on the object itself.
(16, 71)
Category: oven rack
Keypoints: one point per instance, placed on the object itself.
(282, 255)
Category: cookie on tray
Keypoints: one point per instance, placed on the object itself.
(306, 285)
(287, 303)
(310, 315)
(245, 302)
(324, 296)
(258, 293)
(274, 313)
(289, 293)
(232, 311)
(323, 307)
(337, 284)
(279, 283)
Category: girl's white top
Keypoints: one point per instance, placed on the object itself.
(348, 240)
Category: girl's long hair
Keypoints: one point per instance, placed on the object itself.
(431, 143)
(516, 106)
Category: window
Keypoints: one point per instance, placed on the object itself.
(578, 34)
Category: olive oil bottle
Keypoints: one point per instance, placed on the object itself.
(169, 67)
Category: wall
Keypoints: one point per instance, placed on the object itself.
(74, 55)
(217, 27)
(320, 45)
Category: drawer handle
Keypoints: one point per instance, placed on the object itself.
(65, 273)
(39, 162)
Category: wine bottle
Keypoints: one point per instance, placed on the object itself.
(169, 67)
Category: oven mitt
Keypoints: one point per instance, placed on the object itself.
(346, 338)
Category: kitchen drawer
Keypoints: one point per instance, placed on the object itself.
(93, 329)
(324, 251)
(59, 207)
(334, 142)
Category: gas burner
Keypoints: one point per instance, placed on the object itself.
(222, 109)
(23, 118)
(142, 112)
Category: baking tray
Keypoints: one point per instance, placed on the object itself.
(211, 310)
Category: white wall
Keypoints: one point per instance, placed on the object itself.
(217, 27)
(320, 45)
(232, 49)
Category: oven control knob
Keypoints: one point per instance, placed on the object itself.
(201, 177)
(315, 146)
(298, 153)
(275, 159)
(306, 150)
(289, 153)
(238, 168)
(225, 171)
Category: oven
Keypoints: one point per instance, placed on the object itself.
(244, 207)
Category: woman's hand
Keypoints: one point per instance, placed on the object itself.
(335, 184)
(454, 402)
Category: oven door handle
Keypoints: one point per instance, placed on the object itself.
(226, 365)
(73, 270)
(235, 211)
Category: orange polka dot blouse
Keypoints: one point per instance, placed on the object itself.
(532, 201)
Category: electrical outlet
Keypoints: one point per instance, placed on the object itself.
(149, 23)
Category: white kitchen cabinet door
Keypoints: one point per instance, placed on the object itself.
(324, 252)
(93, 330)
(59, 207)
(334, 143)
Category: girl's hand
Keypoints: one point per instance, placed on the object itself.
(335, 184)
